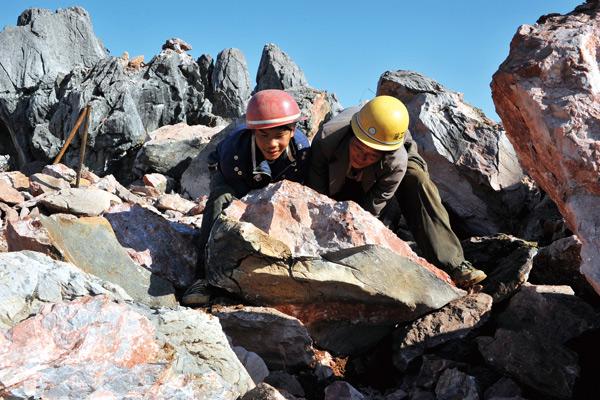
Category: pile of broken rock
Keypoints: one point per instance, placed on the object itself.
(317, 294)
(306, 297)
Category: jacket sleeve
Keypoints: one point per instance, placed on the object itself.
(384, 188)
(318, 170)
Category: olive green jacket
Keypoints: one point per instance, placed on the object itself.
(330, 161)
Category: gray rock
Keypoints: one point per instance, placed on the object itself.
(505, 259)
(469, 156)
(317, 106)
(453, 321)
(529, 344)
(456, 385)
(230, 84)
(341, 390)
(281, 340)
(171, 148)
(255, 366)
(277, 70)
(263, 391)
(552, 313)
(29, 280)
(36, 54)
(431, 369)
(558, 264)
(285, 382)
(80, 201)
(46, 42)
(176, 45)
(206, 65)
(90, 244)
(169, 245)
(5, 162)
(546, 367)
(504, 388)
(195, 180)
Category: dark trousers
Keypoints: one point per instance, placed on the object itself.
(221, 195)
(427, 218)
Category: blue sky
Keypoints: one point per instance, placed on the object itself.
(342, 47)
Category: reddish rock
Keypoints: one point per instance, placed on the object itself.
(16, 179)
(60, 171)
(546, 93)
(311, 224)
(28, 234)
(94, 347)
(174, 202)
(166, 248)
(8, 213)
(42, 183)
(158, 181)
(10, 195)
(288, 247)
(147, 191)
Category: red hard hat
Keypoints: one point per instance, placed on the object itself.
(270, 108)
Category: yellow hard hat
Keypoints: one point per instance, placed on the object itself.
(381, 123)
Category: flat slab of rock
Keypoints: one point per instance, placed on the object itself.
(348, 298)
(42, 183)
(546, 93)
(91, 245)
(453, 321)
(86, 347)
(60, 171)
(169, 247)
(10, 195)
(281, 340)
(80, 201)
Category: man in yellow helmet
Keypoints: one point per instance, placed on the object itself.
(367, 156)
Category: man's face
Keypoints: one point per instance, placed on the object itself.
(272, 142)
(361, 155)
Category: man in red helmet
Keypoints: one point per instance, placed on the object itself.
(268, 148)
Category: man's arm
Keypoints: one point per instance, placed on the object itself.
(383, 190)
(318, 171)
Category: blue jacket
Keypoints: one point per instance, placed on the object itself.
(245, 168)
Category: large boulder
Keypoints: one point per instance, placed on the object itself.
(546, 93)
(169, 246)
(277, 70)
(29, 280)
(46, 42)
(171, 148)
(90, 244)
(318, 106)
(35, 55)
(469, 156)
(95, 347)
(230, 84)
(332, 265)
